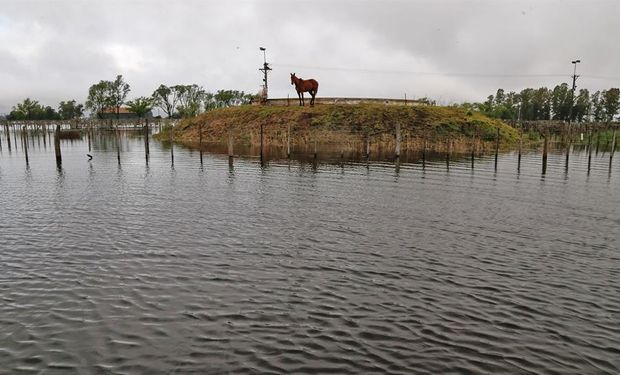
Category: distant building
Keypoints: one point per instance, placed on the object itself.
(123, 113)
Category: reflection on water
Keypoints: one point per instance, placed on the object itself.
(299, 267)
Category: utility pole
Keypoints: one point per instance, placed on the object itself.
(265, 69)
(572, 96)
(570, 109)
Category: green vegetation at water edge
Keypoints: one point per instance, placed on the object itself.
(435, 124)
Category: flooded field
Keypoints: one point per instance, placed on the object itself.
(334, 266)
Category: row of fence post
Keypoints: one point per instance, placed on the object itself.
(367, 139)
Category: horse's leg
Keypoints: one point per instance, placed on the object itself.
(313, 93)
(303, 102)
(299, 97)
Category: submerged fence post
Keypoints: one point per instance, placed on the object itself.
(545, 148)
(25, 139)
(448, 153)
(230, 147)
(424, 153)
(520, 150)
(172, 144)
(473, 149)
(613, 149)
(15, 136)
(497, 147)
(8, 135)
(262, 157)
(398, 140)
(367, 146)
(288, 142)
(568, 145)
(57, 146)
(315, 141)
(200, 141)
(118, 144)
(589, 150)
(147, 150)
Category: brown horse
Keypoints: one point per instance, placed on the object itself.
(304, 85)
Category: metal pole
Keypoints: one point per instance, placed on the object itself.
(570, 109)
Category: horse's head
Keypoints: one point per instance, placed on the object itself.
(293, 78)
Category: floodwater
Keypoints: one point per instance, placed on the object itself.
(305, 268)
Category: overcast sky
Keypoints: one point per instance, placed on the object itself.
(448, 50)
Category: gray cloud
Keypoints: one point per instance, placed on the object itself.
(448, 50)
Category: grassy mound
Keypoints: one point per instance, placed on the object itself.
(344, 124)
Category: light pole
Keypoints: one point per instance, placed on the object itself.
(265, 69)
(570, 109)
(572, 96)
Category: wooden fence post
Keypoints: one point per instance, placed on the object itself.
(118, 144)
(473, 149)
(262, 158)
(568, 144)
(57, 146)
(520, 149)
(315, 141)
(25, 139)
(288, 142)
(497, 147)
(448, 153)
(8, 135)
(147, 149)
(200, 141)
(172, 144)
(545, 148)
(424, 153)
(613, 149)
(230, 147)
(398, 140)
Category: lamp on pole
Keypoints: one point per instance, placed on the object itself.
(572, 96)
(265, 69)
(570, 109)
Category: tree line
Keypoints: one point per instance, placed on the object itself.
(178, 101)
(32, 110)
(546, 104)
(109, 96)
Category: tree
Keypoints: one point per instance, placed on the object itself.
(582, 105)
(541, 104)
(31, 110)
(499, 97)
(209, 101)
(141, 106)
(561, 102)
(597, 111)
(49, 113)
(70, 110)
(487, 107)
(166, 98)
(611, 103)
(98, 97)
(117, 93)
(25, 110)
(190, 99)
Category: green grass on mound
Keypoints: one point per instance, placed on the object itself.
(435, 124)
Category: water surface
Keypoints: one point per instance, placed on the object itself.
(305, 268)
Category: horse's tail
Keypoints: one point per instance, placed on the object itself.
(316, 86)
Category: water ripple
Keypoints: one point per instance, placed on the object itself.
(341, 268)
